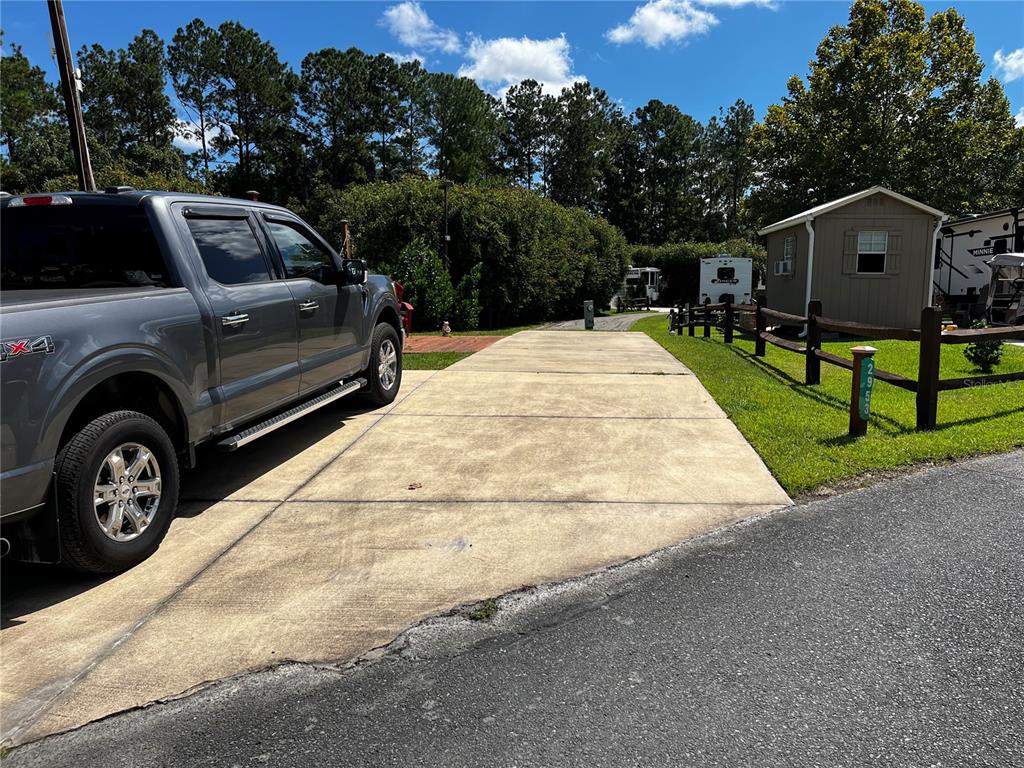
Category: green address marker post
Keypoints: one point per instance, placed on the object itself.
(861, 386)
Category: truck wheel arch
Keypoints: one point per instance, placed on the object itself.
(388, 315)
(140, 391)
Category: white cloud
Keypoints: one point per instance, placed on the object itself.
(505, 61)
(410, 24)
(186, 136)
(738, 3)
(1018, 119)
(404, 58)
(1010, 66)
(662, 21)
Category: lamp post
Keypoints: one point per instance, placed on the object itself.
(445, 186)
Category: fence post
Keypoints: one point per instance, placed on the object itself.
(862, 382)
(760, 325)
(690, 319)
(728, 320)
(928, 368)
(707, 318)
(812, 365)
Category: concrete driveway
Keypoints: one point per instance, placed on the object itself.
(547, 455)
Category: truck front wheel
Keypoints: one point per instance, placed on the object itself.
(117, 491)
(384, 376)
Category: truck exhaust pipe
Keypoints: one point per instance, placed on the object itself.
(5, 547)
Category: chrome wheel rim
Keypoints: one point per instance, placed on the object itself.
(387, 364)
(126, 494)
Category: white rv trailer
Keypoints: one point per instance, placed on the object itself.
(724, 274)
(964, 245)
(640, 287)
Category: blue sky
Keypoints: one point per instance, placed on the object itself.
(697, 54)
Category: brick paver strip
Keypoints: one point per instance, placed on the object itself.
(448, 343)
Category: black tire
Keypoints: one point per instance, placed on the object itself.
(84, 545)
(376, 393)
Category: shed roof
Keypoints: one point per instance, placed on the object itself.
(812, 213)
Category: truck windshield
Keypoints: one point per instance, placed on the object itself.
(89, 246)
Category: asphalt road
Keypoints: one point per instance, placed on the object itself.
(884, 627)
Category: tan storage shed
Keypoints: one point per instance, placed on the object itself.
(868, 257)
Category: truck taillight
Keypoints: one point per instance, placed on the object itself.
(19, 202)
(399, 290)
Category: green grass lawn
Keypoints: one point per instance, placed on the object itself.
(801, 431)
(431, 361)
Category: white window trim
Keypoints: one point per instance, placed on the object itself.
(789, 255)
(873, 250)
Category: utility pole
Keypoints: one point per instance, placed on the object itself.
(72, 101)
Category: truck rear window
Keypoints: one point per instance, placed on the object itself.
(88, 246)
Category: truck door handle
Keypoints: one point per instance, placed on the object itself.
(233, 321)
(309, 306)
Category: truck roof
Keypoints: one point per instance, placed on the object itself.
(128, 196)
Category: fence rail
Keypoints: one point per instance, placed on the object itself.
(969, 335)
(865, 330)
(783, 317)
(930, 338)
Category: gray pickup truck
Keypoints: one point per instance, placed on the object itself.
(135, 326)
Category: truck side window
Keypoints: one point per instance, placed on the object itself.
(88, 246)
(229, 251)
(302, 257)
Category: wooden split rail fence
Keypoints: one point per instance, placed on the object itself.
(930, 338)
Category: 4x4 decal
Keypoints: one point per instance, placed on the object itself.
(8, 349)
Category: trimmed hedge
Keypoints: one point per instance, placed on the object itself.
(680, 264)
(519, 257)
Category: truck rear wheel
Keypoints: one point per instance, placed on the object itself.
(117, 491)
(384, 375)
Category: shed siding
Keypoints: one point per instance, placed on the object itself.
(787, 293)
(894, 299)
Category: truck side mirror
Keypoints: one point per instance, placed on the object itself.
(354, 271)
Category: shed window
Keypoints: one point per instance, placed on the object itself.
(788, 255)
(871, 247)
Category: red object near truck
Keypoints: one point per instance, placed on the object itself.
(404, 307)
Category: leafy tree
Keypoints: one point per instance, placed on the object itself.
(126, 107)
(102, 90)
(669, 144)
(193, 61)
(147, 109)
(524, 132)
(461, 124)
(335, 89)
(623, 193)
(585, 125)
(888, 96)
(27, 101)
(43, 154)
(410, 121)
(737, 166)
(257, 95)
(394, 116)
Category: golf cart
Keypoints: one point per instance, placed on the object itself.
(1005, 302)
